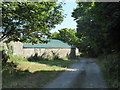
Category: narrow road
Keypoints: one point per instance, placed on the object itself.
(85, 74)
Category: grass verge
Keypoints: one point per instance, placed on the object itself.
(109, 66)
(33, 74)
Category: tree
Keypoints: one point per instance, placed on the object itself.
(29, 21)
(66, 35)
(54, 35)
(98, 27)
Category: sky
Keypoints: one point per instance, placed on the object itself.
(68, 22)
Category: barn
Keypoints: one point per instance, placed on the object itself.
(53, 47)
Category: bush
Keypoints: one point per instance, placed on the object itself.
(33, 58)
(110, 68)
(55, 56)
(16, 58)
(37, 58)
(5, 64)
(5, 57)
(6, 53)
(44, 56)
(10, 49)
(1, 48)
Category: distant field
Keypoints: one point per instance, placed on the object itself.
(29, 74)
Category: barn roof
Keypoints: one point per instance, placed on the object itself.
(53, 43)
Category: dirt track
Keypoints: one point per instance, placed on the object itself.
(85, 74)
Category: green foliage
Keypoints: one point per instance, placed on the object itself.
(15, 58)
(38, 73)
(54, 35)
(1, 47)
(35, 58)
(66, 35)
(110, 67)
(44, 56)
(98, 30)
(98, 27)
(5, 61)
(55, 56)
(29, 21)
(6, 53)
(5, 57)
(8, 65)
(9, 49)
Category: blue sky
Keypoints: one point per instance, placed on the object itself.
(68, 22)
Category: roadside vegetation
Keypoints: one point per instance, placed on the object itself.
(21, 73)
(110, 69)
(97, 35)
(98, 30)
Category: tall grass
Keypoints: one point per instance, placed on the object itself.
(34, 73)
(110, 66)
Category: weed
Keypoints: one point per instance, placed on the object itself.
(109, 65)
(33, 74)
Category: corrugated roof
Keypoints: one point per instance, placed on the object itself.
(53, 43)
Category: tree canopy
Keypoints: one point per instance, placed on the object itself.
(66, 35)
(29, 21)
(98, 27)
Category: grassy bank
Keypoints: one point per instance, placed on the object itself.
(33, 74)
(109, 66)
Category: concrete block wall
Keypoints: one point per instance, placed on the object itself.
(17, 48)
(27, 52)
(61, 52)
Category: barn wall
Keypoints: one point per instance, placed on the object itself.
(17, 48)
(61, 52)
(28, 52)
(47, 52)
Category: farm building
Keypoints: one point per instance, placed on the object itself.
(53, 47)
